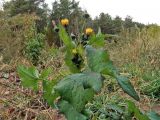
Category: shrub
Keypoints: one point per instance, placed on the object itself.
(12, 35)
(34, 47)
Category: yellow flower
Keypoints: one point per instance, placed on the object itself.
(89, 31)
(74, 51)
(65, 22)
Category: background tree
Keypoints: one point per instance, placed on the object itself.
(128, 23)
(105, 22)
(117, 23)
(39, 7)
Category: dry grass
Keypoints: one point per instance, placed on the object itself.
(136, 57)
(18, 103)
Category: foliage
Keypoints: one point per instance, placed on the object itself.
(115, 25)
(89, 63)
(151, 86)
(34, 47)
(76, 90)
(110, 107)
(105, 23)
(30, 77)
(113, 107)
(38, 7)
(24, 6)
(12, 35)
(153, 115)
(98, 61)
(132, 109)
(97, 40)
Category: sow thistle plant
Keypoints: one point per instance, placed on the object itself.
(88, 62)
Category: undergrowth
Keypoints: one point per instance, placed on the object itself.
(89, 63)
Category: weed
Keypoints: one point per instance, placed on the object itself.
(88, 64)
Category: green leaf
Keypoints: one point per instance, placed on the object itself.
(45, 73)
(78, 89)
(93, 80)
(70, 112)
(49, 94)
(69, 63)
(127, 86)
(132, 108)
(98, 61)
(65, 37)
(29, 77)
(97, 40)
(80, 49)
(81, 98)
(153, 115)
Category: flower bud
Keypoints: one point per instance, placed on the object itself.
(74, 51)
(86, 15)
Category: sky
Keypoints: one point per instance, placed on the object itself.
(144, 11)
(0, 4)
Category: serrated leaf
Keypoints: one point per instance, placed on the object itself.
(153, 115)
(45, 73)
(70, 112)
(29, 77)
(98, 61)
(49, 94)
(78, 89)
(65, 37)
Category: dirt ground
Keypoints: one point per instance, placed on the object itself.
(18, 103)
